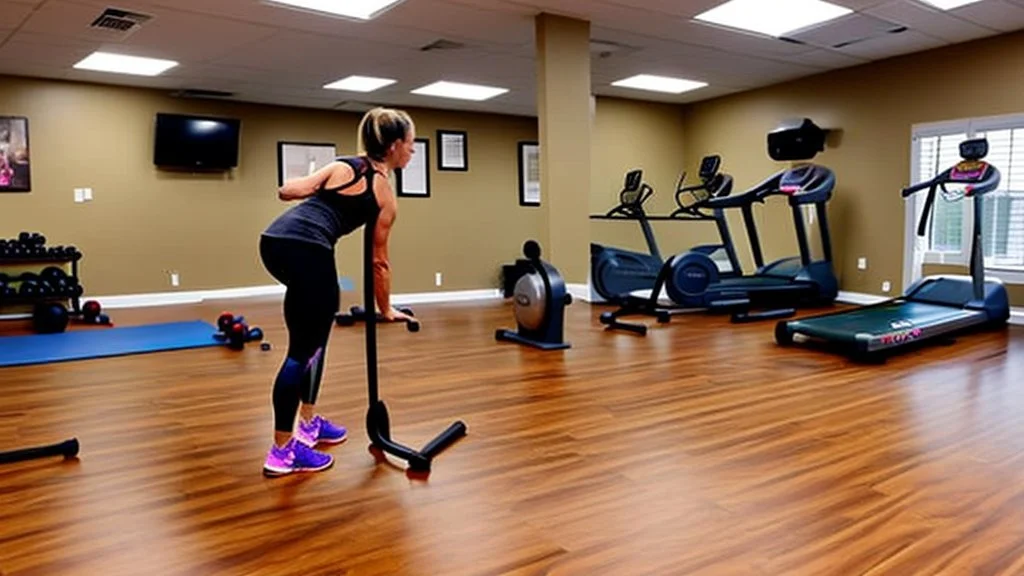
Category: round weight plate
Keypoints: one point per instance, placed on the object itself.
(530, 301)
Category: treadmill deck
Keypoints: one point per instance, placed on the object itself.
(889, 324)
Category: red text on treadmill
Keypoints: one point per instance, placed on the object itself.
(901, 336)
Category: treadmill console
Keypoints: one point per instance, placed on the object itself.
(972, 169)
(974, 149)
(631, 189)
(709, 167)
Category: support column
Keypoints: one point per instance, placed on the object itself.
(563, 109)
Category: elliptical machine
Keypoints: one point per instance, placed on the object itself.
(615, 272)
(540, 299)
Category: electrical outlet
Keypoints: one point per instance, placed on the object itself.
(862, 263)
(175, 279)
(79, 195)
(87, 194)
(437, 279)
(886, 286)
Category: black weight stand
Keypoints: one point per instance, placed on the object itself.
(358, 314)
(378, 423)
(67, 449)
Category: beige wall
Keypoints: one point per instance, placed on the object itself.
(144, 222)
(874, 107)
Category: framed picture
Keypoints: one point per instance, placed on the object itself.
(452, 150)
(15, 173)
(414, 179)
(298, 159)
(529, 174)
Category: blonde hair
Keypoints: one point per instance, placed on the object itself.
(380, 128)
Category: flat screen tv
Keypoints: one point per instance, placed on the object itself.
(197, 142)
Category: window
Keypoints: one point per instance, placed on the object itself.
(948, 241)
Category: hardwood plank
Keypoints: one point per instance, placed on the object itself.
(700, 449)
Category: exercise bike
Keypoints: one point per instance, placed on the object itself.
(540, 299)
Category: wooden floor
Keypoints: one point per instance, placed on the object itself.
(700, 449)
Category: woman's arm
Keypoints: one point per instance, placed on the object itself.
(381, 260)
(306, 186)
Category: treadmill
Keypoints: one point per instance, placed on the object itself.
(934, 306)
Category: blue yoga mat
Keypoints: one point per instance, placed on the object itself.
(105, 342)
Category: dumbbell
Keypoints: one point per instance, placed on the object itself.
(92, 313)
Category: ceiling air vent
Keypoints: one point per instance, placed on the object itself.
(354, 106)
(115, 23)
(609, 48)
(201, 93)
(442, 45)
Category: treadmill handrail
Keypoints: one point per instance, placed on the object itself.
(755, 194)
(632, 209)
(987, 181)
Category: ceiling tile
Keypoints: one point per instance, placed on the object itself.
(13, 14)
(16, 66)
(859, 5)
(855, 27)
(929, 21)
(826, 59)
(995, 14)
(208, 37)
(39, 49)
(892, 45)
(461, 21)
(313, 52)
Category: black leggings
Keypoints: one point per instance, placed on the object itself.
(311, 300)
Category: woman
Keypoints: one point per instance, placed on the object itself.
(298, 250)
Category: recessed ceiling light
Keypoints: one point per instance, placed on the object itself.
(361, 9)
(772, 17)
(123, 64)
(360, 84)
(659, 83)
(460, 91)
(949, 4)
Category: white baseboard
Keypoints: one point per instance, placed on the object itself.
(445, 297)
(1017, 316)
(579, 292)
(195, 297)
(191, 297)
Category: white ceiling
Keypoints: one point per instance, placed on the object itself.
(265, 53)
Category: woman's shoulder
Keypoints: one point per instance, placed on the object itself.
(357, 163)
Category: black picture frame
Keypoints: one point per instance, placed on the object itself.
(526, 195)
(458, 137)
(319, 151)
(15, 155)
(421, 162)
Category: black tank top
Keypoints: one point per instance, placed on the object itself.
(327, 215)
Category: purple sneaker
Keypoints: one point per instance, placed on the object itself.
(295, 457)
(319, 431)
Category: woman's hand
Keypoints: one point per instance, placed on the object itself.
(392, 315)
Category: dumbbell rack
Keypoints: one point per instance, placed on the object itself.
(44, 260)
